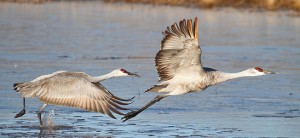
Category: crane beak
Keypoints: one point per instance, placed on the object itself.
(269, 72)
(132, 74)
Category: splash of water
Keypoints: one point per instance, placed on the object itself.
(49, 119)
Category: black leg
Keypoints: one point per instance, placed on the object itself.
(40, 114)
(23, 111)
(134, 113)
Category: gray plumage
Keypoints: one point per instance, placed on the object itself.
(179, 66)
(74, 89)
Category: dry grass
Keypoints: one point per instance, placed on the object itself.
(26, 1)
(254, 4)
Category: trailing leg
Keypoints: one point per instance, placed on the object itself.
(39, 114)
(134, 113)
(23, 111)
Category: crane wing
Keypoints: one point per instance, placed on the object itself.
(180, 50)
(74, 91)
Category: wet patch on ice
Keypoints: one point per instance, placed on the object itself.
(285, 114)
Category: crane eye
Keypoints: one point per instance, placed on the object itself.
(259, 69)
(123, 70)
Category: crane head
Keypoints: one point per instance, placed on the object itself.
(122, 73)
(257, 71)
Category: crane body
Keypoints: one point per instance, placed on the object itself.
(74, 89)
(179, 66)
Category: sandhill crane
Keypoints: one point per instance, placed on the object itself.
(74, 89)
(179, 66)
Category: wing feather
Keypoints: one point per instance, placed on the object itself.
(176, 30)
(195, 28)
(101, 87)
(74, 91)
(189, 28)
(183, 27)
(179, 50)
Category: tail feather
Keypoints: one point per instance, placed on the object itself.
(17, 86)
(26, 89)
(156, 88)
(18, 83)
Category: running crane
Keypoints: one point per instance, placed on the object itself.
(74, 89)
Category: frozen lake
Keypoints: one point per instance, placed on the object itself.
(97, 37)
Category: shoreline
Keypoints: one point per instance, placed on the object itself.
(268, 5)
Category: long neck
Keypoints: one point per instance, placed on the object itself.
(103, 77)
(223, 76)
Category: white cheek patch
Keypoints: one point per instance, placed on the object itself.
(253, 72)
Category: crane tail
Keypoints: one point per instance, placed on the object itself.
(17, 85)
(156, 88)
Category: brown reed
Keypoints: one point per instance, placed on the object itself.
(253, 4)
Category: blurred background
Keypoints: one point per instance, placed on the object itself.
(39, 37)
(254, 4)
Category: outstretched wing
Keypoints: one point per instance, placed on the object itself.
(180, 51)
(74, 91)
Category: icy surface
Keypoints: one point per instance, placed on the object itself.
(95, 37)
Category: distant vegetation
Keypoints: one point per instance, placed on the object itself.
(253, 4)
(26, 1)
